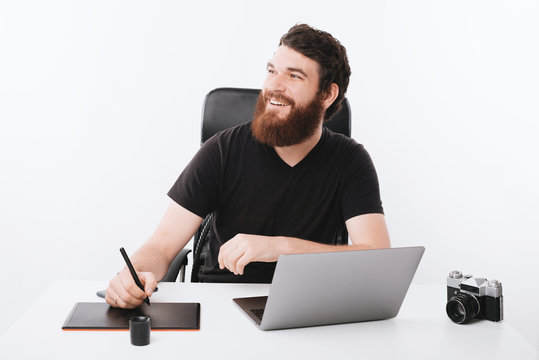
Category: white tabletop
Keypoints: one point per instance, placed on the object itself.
(421, 330)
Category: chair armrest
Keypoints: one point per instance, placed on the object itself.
(179, 263)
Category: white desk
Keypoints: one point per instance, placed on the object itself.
(420, 331)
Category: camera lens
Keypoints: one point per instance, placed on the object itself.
(462, 308)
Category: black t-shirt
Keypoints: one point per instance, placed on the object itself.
(251, 190)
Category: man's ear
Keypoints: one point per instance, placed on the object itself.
(331, 94)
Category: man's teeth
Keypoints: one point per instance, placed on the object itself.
(275, 102)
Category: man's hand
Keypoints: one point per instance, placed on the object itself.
(368, 231)
(124, 293)
(242, 249)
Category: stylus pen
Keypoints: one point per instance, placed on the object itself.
(133, 273)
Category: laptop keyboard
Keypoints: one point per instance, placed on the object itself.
(258, 313)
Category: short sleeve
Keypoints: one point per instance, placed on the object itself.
(197, 187)
(361, 194)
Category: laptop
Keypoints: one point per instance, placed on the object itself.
(334, 288)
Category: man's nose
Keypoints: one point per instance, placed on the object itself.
(275, 83)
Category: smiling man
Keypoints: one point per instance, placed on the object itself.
(282, 184)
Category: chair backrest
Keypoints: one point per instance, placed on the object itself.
(227, 107)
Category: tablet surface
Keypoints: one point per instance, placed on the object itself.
(164, 316)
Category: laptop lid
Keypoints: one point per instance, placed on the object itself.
(336, 287)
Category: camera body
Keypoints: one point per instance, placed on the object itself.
(471, 298)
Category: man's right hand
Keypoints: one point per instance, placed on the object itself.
(174, 231)
(124, 293)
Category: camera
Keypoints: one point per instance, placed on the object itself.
(471, 298)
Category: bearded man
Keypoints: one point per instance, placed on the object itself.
(281, 184)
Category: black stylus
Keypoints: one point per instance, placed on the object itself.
(133, 273)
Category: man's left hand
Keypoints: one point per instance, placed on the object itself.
(242, 249)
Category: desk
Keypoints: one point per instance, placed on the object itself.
(420, 331)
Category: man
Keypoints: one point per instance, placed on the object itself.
(282, 184)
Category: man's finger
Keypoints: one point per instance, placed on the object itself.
(111, 297)
(242, 262)
(149, 281)
(129, 285)
(118, 297)
(233, 260)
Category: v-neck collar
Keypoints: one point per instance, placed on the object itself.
(307, 157)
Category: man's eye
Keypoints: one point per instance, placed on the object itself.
(294, 76)
(271, 71)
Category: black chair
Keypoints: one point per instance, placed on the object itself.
(224, 108)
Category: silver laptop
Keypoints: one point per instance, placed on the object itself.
(334, 288)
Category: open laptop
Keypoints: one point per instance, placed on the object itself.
(334, 288)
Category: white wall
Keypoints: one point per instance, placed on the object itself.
(100, 110)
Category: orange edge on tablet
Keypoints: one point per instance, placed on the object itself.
(128, 329)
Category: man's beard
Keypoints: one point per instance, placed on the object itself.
(297, 126)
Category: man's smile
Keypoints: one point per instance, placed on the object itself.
(277, 103)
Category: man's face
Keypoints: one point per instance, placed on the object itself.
(288, 110)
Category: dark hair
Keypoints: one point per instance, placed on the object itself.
(328, 52)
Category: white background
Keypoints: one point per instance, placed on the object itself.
(100, 111)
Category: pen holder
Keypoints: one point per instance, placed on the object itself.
(139, 330)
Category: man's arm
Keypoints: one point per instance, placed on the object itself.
(367, 231)
(152, 259)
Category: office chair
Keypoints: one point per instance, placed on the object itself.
(224, 108)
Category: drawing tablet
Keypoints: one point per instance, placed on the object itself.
(102, 316)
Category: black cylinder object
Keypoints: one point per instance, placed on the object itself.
(139, 330)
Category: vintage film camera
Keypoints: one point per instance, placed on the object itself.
(471, 298)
